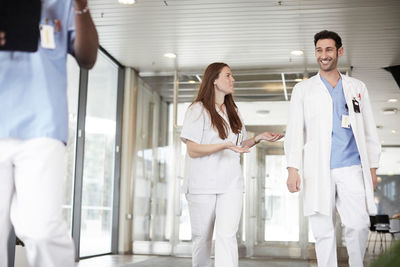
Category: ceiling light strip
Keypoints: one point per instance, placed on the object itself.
(284, 86)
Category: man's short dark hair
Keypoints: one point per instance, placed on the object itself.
(328, 35)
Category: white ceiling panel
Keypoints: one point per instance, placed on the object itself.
(256, 35)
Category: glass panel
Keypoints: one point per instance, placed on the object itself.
(388, 189)
(185, 232)
(281, 207)
(159, 224)
(154, 186)
(73, 96)
(142, 201)
(98, 173)
(145, 164)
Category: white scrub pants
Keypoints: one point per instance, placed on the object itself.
(32, 176)
(224, 210)
(348, 195)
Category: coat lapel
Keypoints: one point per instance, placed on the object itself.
(349, 95)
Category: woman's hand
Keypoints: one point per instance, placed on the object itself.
(268, 136)
(237, 149)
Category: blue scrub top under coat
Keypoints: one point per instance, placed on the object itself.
(344, 150)
(33, 86)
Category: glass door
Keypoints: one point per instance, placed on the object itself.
(99, 158)
(73, 96)
(281, 208)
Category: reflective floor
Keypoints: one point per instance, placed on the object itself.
(164, 261)
(169, 261)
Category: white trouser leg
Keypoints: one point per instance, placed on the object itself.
(323, 228)
(202, 218)
(351, 206)
(39, 176)
(228, 212)
(6, 191)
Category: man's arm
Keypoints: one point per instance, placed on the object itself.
(371, 135)
(294, 140)
(373, 145)
(86, 39)
(374, 178)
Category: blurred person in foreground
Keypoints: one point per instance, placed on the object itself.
(34, 131)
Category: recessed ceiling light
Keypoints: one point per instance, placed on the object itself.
(298, 80)
(394, 131)
(127, 2)
(262, 112)
(297, 53)
(393, 100)
(170, 55)
(191, 81)
(390, 111)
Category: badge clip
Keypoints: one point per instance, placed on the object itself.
(356, 105)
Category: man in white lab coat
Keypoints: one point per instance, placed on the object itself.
(331, 135)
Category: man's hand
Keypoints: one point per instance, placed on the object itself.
(374, 178)
(293, 181)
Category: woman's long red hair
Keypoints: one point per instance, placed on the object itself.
(206, 96)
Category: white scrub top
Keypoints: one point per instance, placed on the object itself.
(216, 173)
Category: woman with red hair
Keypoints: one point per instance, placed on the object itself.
(213, 132)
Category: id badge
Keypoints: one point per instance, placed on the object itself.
(345, 121)
(47, 40)
(239, 139)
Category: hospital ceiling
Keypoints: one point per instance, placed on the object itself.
(255, 38)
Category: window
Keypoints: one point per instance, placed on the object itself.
(281, 207)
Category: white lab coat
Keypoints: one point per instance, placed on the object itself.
(308, 139)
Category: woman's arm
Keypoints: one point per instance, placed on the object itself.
(267, 136)
(199, 150)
